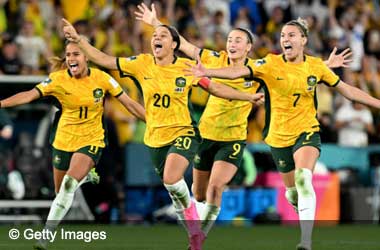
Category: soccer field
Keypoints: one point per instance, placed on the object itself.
(173, 237)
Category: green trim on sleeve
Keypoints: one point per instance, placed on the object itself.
(121, 92)
(334, 85)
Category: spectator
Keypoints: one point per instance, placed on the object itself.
(31, 48)
(10, 63)
(354, 121)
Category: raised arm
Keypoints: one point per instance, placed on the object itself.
(134, 107)
(226, 92)
(339, 60)
(355, 94)
(92, 53)
(20, 98)
(150, 17)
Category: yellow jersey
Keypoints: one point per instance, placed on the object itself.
(166, 93)
(79, 123)
(222, 119)
(290, 96)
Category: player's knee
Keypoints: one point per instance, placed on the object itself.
(303, 180)
(215, 189)
(69, 184)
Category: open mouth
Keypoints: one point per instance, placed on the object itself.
(232, 51)
(288, 48)
(73, 67)
(157, 47)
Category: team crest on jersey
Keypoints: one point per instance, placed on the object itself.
(214, 53)
(260, 62)
(98, 94)
(180, 84)
(131, 58)
(281, 163)
(46, 82)
(311, 82)
(248, 84)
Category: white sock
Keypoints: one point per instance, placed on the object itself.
(62, 202)
(201, 208)
(306, 203)
(211, 212)
(179, 193)
(292, 195)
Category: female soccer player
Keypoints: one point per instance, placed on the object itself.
(78, 135)
(289, 81)
(171, 134)
(223, 125)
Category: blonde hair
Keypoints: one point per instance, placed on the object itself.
(57, 63)
(302, 25)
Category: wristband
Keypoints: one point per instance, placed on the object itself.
(204, 82)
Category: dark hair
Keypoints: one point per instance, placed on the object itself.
(301, 24)
(251, 37)
(174, 33)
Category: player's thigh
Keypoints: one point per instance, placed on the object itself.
(307, 150)
(229, 152)
(283, 158)
(222, 173)
(204, 158)
(83, 160)
(180, 154)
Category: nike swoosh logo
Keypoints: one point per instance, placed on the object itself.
(231, 157)
(67, 93)
(306, 142)
(280, 78)
(303, 209)
(147, 78)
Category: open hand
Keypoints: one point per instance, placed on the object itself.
(146, 15)
(197, 70)
(340, 60)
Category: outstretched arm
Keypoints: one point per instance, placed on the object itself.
(150, 17)
(134, 107)
(358, 95)
(92, 53)
(340, 60)
(232, 72)
(20, 98)
(226, 92)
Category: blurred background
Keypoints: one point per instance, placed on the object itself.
(347, 179)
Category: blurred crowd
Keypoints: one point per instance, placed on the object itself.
(31, 33)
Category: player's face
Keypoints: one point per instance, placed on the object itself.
(292, 43)
(162, 43)
(76, 61)
(238, 45)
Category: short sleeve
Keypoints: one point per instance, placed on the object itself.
(328, 76)
(47, 86)
(258, 67)
(130, 65)
(112, 86)
(210, 58)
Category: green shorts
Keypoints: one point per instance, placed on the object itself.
(283, 157)
(61, 159)
(211, 151)
(187, 146)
